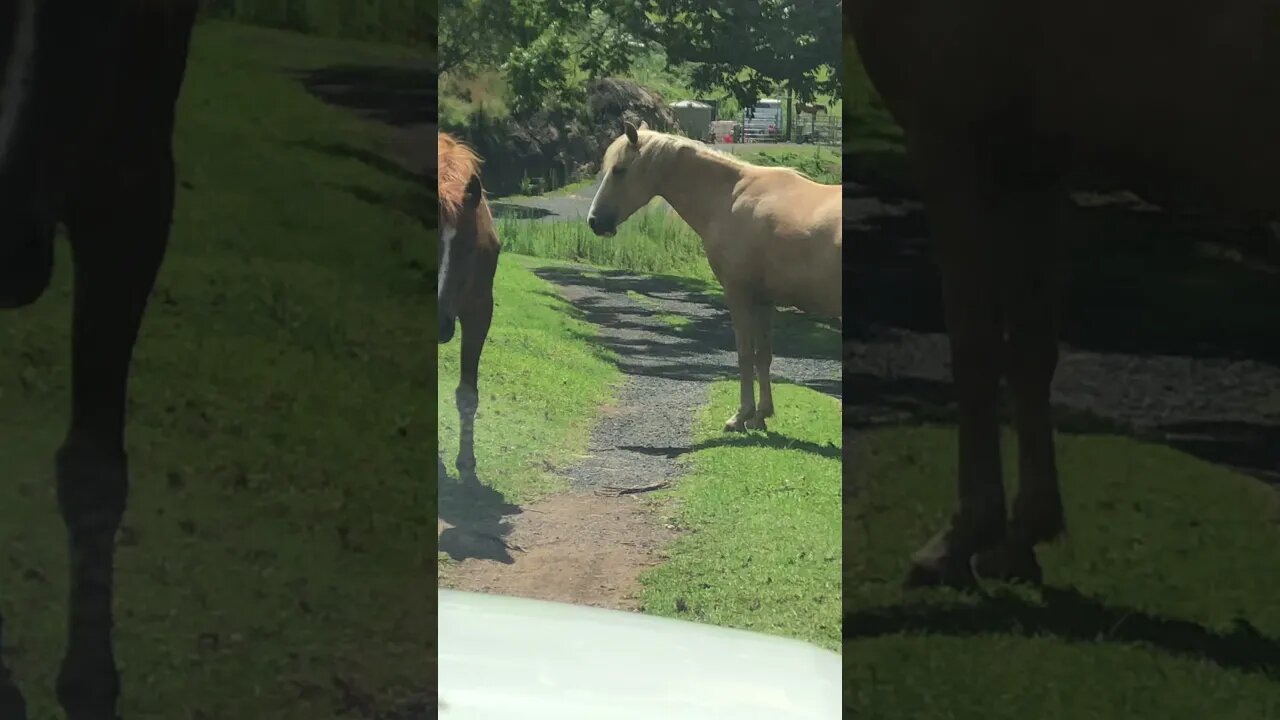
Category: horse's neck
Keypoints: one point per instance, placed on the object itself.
(700, 189)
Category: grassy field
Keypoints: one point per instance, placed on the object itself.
(654, 240)
(275, 560)
(1162, 604)
(399, 21)
(534, 415)
(762, 519)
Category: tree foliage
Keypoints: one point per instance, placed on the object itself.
(745, 47)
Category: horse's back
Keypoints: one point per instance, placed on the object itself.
(1189, 93)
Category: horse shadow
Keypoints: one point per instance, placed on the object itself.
(1067, 614)
(1153, 298)
(478, 515)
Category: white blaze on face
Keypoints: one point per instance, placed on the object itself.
(17, 75)
(447, 233)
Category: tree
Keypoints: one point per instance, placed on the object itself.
(746, 46)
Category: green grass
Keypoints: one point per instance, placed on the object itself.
(281, 421)
(541, 382)
(761, 515)
(654, 240)
(400, 21)
(1162, 602)
(820, 164)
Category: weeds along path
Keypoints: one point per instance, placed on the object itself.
(588, 545)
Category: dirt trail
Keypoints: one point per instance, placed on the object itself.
(589, 545)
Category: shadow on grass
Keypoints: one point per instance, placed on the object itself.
(1168, 319)
(767, 439)
(1069, 615)
(772, 440)
(402, 95)
(375, 161)
(478, 515)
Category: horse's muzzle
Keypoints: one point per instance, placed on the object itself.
(446, 329)
(602, 228)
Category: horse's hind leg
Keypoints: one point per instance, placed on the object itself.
(763, 322)
(741, 314)
(475, 329)
(1034, 286)
(118, 237)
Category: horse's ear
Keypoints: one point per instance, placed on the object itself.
(644, 125)
(632, 136)
(475, 192)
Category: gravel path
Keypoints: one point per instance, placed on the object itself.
(650, 425)
(1212, 392)
(552, 207)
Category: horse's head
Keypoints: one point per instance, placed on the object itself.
(625, 182)
(455, 254)
(57, 59)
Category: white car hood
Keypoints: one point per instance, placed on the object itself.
(502, 658)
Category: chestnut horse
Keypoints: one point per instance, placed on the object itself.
(467, 258)
(772, 237)
(87, 101)
(1007, 106)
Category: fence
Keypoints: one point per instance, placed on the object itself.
(805, 130)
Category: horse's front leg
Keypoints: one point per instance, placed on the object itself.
(118, 234)
(740, 312)
(763, 356)
(1034, 285)
(475, 321)
(965, 213)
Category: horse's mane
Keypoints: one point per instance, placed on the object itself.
(457, 165)
(658, 146)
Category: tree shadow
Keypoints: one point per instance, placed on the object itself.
(1168, 330)
(1069, 615)
(402, 95)
(478, 514)
(374, 160)
(708, 330)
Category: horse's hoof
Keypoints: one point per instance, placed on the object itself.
(1010, 563)
(946, 573)
(755, 423)
(734, 424)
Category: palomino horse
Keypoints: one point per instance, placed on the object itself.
(1006, 106)
(86, 133)
(467, 259)
(772, 237)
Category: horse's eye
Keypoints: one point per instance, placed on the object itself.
(619, 171)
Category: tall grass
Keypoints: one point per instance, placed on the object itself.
(409, 22)
(655, 240)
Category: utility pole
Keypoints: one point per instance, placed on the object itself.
(789, 123)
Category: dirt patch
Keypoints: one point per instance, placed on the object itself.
(579, 548)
